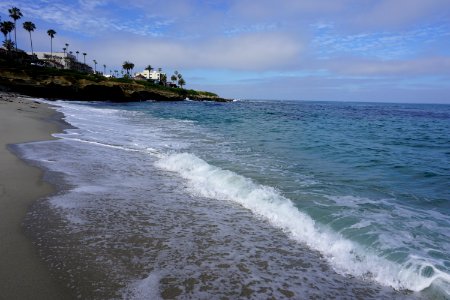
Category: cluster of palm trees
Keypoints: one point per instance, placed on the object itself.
(178, 77)
(175, 78)
(128, 66)
(6, 27)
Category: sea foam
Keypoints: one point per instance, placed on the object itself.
(346, 257)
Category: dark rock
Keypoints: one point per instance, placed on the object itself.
(102, 92)
(147, 95)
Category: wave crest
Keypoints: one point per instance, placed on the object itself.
(346, 256)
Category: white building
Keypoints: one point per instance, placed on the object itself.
(64, 59)
(154, 75)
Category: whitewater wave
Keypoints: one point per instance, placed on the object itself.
(346, 257)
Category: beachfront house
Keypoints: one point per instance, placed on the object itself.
(62, 60)
(152, 75)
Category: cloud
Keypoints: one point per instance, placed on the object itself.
(397, 13)
(92, 4)
(254, 51)
(318, 48)
(383, 45)
(267, 9)
(416, 67)
(334, 89)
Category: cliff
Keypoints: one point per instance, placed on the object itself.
(70, 85)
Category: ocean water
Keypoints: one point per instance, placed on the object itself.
(250, 199)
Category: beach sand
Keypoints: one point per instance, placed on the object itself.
(22, 275)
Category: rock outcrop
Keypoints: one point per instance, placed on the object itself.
(60, 84)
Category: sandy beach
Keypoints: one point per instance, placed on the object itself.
(22, 275)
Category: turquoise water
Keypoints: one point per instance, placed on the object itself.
(379, 174)
(364, 185)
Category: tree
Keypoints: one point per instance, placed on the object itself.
(149, 68)
(159, 70)
(51, 34)
(6, 27)
(181, 82)
(15, 14)
(173, 78)
(8, 44)
(104, 69)
(77, 52)
(95, 66)
(128, 66)
(67, 48)
(163, 79)
(84, 54)
(29, 26)
(64, 49)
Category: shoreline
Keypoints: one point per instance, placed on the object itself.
(22, 274)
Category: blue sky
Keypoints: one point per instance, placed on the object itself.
(346, 50)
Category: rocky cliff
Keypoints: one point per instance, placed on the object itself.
(69, 85)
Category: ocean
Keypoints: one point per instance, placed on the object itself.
(249, 199)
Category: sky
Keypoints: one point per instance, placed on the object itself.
(326, 50)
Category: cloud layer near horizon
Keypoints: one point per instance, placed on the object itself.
(355, 48)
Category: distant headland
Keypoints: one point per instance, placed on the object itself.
(61, 75)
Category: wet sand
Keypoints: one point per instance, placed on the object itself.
(22, 275)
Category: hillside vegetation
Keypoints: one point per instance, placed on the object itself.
(55, 83)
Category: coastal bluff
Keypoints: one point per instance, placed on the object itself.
(68, 85)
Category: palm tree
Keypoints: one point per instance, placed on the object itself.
(173, 78)
(181, 82)
(77, 52)
(8, 44)
(64, 49)
(128, 66)
(149, 68)
(51, 33)
(163, 79)
(67, 46)
(104, 69)
(95, 66)
(84, 54)
(159, 70)
(15, 14)
(29, 26)
(6, 27)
